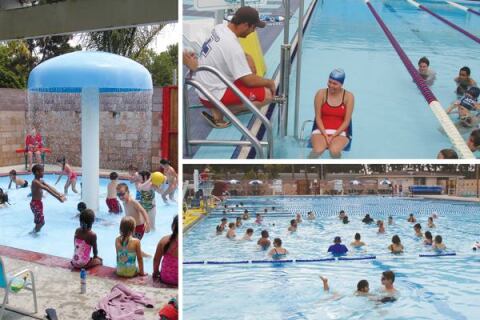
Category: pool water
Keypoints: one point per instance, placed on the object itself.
(391, 118)
(56, 237)
(430, 288)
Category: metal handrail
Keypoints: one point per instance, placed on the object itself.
(226, 112)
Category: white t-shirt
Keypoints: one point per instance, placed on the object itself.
(223, 52)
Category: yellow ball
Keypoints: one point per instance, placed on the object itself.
(158, 178)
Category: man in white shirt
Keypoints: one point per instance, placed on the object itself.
(224, 52)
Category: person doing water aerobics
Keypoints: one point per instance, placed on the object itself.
(333, 113)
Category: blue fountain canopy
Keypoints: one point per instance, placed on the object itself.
(89, 69)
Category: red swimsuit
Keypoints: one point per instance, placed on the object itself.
(333, 116)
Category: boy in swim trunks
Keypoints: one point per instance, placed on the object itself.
(19, 183)
(112, 201)
(36, 205)
(147, 196)
(134, 210)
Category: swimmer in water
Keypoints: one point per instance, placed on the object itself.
(293, 226)
(298, 217)
(278, 252)
(222, 225)
(264, 242)
(245, 215)
(231, 231)
(390, 220)
(418, 230)
(345, 220)
(396, 246)
(430, 223)
(238, 222)
(362, 287)
(310, 215)
(428, 241)
(248, 234)
(342, 215)
(357, 243)
(438, 245)
(259, 219)
(381, 227)
(411, 218)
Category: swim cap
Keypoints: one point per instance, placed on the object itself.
(337, 75)
(474, 92)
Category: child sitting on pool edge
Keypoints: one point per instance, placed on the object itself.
(85, 240)
(128, 250)
(19, 183)
(112, 201)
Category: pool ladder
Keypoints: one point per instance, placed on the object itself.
(248, 137)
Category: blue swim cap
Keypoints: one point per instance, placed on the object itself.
(337, 75)
(468, 103)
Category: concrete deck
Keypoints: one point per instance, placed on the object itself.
(59, 288)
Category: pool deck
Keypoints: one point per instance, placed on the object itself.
(59, 288)
(450, 198)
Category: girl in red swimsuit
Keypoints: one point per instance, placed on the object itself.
(71, 175)
(333, 113)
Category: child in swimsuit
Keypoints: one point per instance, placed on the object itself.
(259, 219)
(231, 231)
(85, 241)
(71, 175)
(264, 242)
(168, 249)
(134, 209)
(129, 250)
(418, 230)
(19, 183)
(293, 225)
(430, 222)
(298, 217)
(245, 215)
(278, 252)
(171, 176)
(38, 185)
(112, 201)
(438, 245)
(147, 197)
(411, 218)
(428, 241)
(248, 234)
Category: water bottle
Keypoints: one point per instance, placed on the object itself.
(83, 281)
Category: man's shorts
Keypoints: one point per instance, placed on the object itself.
(231, 99)
(37, 209)
(139, 231)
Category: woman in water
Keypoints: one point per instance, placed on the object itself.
(277, 252)
(333, 113)
(68, 171)
(167, 253)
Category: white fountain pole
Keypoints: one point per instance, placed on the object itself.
(90, 147)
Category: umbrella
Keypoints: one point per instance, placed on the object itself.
(234, 181)
(255, 182)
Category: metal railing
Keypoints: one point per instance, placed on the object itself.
(251, 139)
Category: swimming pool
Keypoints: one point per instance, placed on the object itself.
(390, 113)
(56, 237)
(430, 288)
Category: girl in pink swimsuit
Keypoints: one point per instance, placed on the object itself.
(168, 249)
(333, 113)
(68, 171)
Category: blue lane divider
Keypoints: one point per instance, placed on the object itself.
(358, 258)
(437, 254)
(281, 261)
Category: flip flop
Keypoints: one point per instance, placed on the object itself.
(215, 123)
